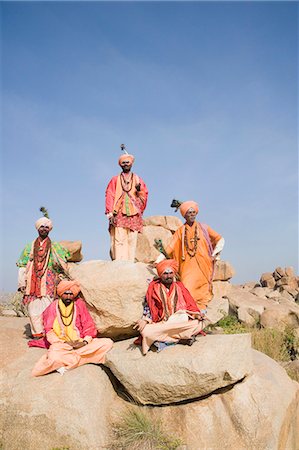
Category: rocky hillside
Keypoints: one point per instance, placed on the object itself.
(218, 394)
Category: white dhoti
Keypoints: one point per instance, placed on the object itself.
(123, 242)
(35, 310)
(169, 332)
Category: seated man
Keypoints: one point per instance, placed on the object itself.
(170, 313)
(71, 333)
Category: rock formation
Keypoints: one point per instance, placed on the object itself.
(270, 303)
(75, 411)
(75, 249)
(181, 373)
(217, 394)
(114, 292)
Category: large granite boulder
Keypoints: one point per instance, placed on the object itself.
(75, 248)
(217, 309)
(114, 292)
(171, 223)
(221, 289)
(155, 227)
(76, 411)
(181, 373)
(223, 271)
(145, 251)
(259, 413)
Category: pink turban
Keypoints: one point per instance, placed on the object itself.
(44, 221)
(126, 157)
(68, 285)
(167, 264)
(187, 205)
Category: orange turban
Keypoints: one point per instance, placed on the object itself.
(126, 157)
(44, 221)
(187, 205)
(68, 285)
(167, 264)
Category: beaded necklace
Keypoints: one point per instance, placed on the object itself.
(126, 184)
(191, 251)
(40, 254)
(71, 314)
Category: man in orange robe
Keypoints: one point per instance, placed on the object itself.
(126, 198)
(195, 246)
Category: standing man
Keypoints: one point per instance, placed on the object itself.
(195, 246)
(170, 314)
(126, 198)
(39, 265)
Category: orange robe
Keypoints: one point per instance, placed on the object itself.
(196, 266)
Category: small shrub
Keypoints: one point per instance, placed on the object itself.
(291, 340)
(136, 430)
(231, 325)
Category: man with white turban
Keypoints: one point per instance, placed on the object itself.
(39, 265)
(126, 198)
(170, 314)
(195, 247)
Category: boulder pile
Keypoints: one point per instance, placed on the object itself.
(283, 281)
(256, 407)
(272, 303)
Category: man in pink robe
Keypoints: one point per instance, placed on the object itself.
(126, 198)
(71, 333)
(170, 313)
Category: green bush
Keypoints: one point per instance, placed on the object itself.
(231, 325)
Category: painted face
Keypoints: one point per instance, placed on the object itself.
(43, 231)
(167, 277)
(126, 165)
(190, 216)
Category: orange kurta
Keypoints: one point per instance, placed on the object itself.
(196, 271)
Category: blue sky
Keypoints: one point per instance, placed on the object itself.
(204, 94)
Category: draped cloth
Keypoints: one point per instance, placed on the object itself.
(61, 352)
(162, 303)
(126, 205)
(172, 312)
(55, 262)
(196, 271)
(39, 265)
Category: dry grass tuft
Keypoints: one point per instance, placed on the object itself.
(136, 430)
(293, 373)
(271, 342)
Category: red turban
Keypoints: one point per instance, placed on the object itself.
(167, 264)
(68, 285)
(187, 205)
(126, 157)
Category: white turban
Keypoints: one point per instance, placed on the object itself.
(45, 222)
